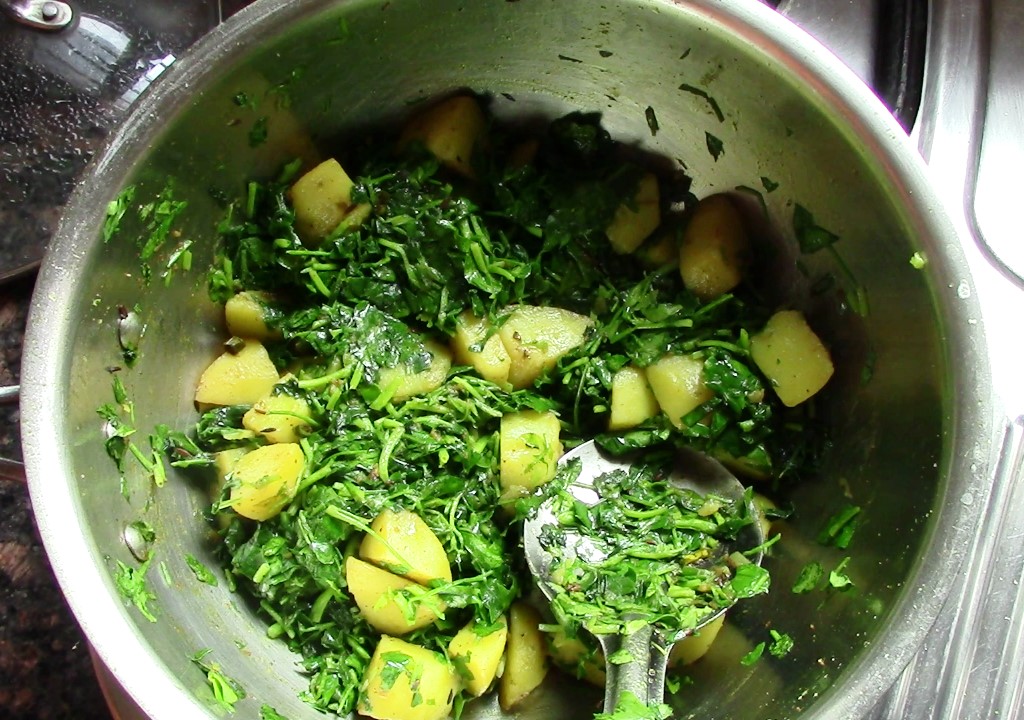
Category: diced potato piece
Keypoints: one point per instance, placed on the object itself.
(659, 251)
(374, 591)
(693, 647)
(451, 131)
(322, 199)
(406, 383)
(237, 378)
(478, 657)
(407, 682)
(763, 504)
(278, 418)
(678, 384)
(530, 448)
(526, 662)
(635, 220)
(224, 462)
(536, 336)
(572, 655)
(491, 360)
(264, 480)
(715, 248)
(421, 557)
(247, 313)
(633, 400)
(792, 357)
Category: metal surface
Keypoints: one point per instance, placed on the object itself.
(910, 450)
(648, 648)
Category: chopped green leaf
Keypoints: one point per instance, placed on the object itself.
(781, 644)
(754, 655)
(132, 585)
(839, 530)
(809, 577)
(202, 573)
(226, 691)
(715, 146)
(838, 577)
(630, 707)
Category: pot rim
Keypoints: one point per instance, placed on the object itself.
(78, 563)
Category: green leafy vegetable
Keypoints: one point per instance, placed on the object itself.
(838, 577)
(754, 655)
(809, 577)
(715, 146)
(630, 707)
(202, 573)
(226, 691)
(838, 531)
(131, 583)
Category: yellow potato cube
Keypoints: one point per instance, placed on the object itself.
(278, 418)
(475, 344)
(633, 400)
(376, 591)
(237, 378)
(637, 219)
(247, 313)
(451, 130)
(478, 657)
(693, 647)
(715, 248)
(535, 337)
(322, 199)
(677, 382)
(264, 480)
(407, 682)
(659, 251)
(420, 556)
(526, 661)
(530, 448)
(792, 357)
(573, 655)
(405, 383)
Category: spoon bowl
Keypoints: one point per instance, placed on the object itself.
(640, 654)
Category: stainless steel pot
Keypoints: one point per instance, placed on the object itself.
(913, 440)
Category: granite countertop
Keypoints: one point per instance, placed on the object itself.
(45, 666)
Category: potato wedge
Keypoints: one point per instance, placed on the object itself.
(715, 248)
(526, 660)
(450, 130)
(529, 452)
(633, 400)
(421, 557)
(264, 480)
(792, 357)
(246, 314)
(536, 336)
(279, 418)
(475, 344)
(404, 383)
(322, 199)
(478, 657)
(407, 682)
(693, 647)
(634, 221)
(677, 382)
(237, 378)
(375, 592)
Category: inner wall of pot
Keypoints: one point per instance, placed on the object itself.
(326, 75)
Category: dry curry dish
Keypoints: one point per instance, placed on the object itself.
(418, 327)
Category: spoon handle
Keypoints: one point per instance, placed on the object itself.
(643, 675)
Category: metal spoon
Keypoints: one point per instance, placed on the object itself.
(644, 674)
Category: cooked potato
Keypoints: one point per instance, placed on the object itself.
(374, 591)
(637, 219)
(475, 344)
(478, 657)
(278, 418)
(264, 480)
(530, 448)
(322, 200)
(451, 131)
(792, 357)
(536, 336)
(407, 682)
(573, 656)
(526, 662)
(659, 251)
(693, 647)
(715, 248)
(420, 555)
(677, 382)
(633, 400)
(247, 313)
(407, 383)
(237, 378)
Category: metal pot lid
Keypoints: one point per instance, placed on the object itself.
(70, 73)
